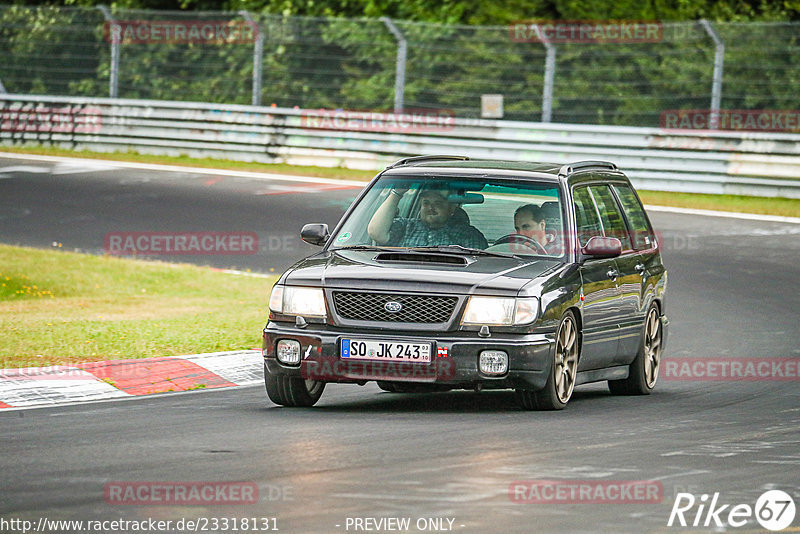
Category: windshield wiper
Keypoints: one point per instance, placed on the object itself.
(458, 249)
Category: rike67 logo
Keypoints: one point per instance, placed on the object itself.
(774, 510)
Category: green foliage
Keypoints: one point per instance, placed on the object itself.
(333, 62)
(48, 40)
(492, 13)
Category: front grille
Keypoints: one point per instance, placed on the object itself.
(415, 308)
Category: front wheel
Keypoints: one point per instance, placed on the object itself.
(292, 390)
(561, 382)
(643, 372)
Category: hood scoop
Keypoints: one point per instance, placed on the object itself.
(421, 257)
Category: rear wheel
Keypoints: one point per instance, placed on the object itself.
(292, 390)
(643, 372)
(561, 382)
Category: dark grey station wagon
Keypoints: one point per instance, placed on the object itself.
(452, 273)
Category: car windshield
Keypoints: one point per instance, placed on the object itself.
(503, 216)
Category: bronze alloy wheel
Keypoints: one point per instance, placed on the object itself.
(652, 348)
(561, 382)
(565, 366)
(643, 371)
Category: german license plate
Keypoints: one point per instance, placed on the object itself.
(386, 351)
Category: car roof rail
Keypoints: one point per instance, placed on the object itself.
(570, 168)
(412, 159)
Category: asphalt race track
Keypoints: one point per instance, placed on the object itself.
(80, 205)
(447, 461)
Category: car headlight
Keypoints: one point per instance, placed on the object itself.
(500, 311)
(305, 301)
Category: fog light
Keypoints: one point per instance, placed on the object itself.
(493, 362)
(288, 351)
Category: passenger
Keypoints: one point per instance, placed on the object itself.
(436, 224)
(529, 220)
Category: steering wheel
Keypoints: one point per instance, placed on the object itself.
(522, 239)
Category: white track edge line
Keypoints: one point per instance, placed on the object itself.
(149, 396)
(178, 168)
(292, 178)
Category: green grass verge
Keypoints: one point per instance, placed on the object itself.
(786, 207)
(743, 204)
(62, 307)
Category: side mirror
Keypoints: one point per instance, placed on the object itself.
(315, 234)
(602, 247)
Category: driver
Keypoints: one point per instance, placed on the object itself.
(434, 226)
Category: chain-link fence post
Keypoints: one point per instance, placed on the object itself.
(258, 57)
(549, 75)
(716, 85)
(113, 77)
(400, 68)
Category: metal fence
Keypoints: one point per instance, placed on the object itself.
(766, 164)
(379, 64)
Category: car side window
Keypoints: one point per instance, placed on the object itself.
(610, 215)
(642, 232)
(588, 222)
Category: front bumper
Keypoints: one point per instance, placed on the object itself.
(455, 357)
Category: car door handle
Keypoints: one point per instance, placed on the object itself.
(640, 267)
(612, 273)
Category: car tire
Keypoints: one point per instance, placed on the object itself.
(561, 381)
(293, 391)
(643, 372)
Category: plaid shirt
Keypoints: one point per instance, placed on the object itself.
(414, 233)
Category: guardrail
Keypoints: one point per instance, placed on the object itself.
(701, 161)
